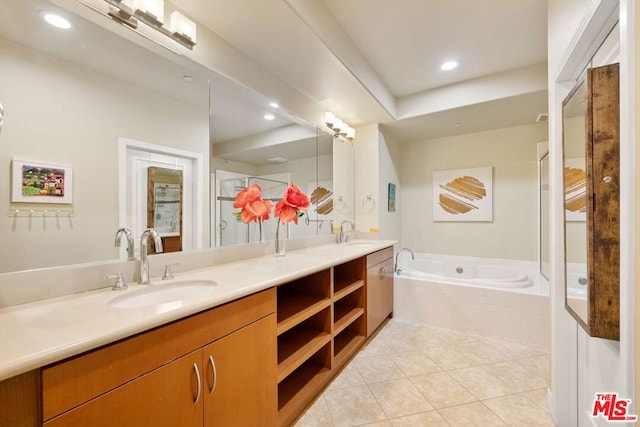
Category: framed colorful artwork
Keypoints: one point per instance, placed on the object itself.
(391, 207)
(41, 182)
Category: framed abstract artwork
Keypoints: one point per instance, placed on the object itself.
(463, 194)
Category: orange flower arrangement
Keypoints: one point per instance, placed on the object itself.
(253, 208)
(292, 205)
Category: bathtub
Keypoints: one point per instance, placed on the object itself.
(463, 273)
(505, 299)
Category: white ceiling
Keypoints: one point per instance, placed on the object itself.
(366, 59)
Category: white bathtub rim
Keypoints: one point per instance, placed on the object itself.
(539, 284)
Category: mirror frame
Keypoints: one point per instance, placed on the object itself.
(602, 148)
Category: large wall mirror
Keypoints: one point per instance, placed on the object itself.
(71, 97)
(591, 199)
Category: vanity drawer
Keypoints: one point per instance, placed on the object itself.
(74, 381)
(379, 256)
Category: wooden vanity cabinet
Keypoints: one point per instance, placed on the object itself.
(213, 368)
(379, 288)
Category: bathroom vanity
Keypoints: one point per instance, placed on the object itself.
(254, 350)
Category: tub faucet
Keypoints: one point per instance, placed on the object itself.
(397, 269)
(143, 273)
(342, 238)
(130, 246)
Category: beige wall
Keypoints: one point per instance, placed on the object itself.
(59, 112)
(513, 231)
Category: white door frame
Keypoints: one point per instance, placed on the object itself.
(126, 148)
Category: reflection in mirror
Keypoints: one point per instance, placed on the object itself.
(248, 149)
(164, 206)
(575, 200)
(71, 95)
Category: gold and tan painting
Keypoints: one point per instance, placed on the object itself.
(575, 189)
(321, 198)
(463, 195)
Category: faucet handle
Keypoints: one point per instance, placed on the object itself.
(168, 275)
(120, 282)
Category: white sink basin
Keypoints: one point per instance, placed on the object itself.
(174, 293)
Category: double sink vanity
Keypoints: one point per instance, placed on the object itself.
(249, 342)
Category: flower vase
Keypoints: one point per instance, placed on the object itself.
(260, 237)
(280, 241)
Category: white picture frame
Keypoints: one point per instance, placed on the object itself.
(34, 181)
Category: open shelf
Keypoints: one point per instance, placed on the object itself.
(347, 342)
(302, 341)
(296, 309)
(346, 275)
(346, 318)
(343, 287)
(302, 386)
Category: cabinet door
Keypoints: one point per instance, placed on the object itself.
(240, 379)
(374, 297)
(168, 396)
(387, 288)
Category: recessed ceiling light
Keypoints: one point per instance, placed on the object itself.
(274, 104)
(56, 20)
(457, 125)
(449, 65)
(187, 78)
(269, 117)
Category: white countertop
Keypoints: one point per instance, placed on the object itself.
(39, 333)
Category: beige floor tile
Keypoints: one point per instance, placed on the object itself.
(441, 390)
(377, 368)
(349, 377)
(426, 419)
(482, 353)
(415, 363)
(471, 415)
(517, 376)
(480, 382)
(518, 410)
(399, 398)
(539, 365)
(317, 415)
(538, 398)
(353, 406)
(515, 350)
(449, 357)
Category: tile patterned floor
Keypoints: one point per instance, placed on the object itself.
(413, 375)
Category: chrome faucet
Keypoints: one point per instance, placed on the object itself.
(397, 269)
(341, 237)
(143, 274)
(130, 245)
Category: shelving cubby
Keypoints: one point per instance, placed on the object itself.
(299, 389)
(302, 298)
(349, 302)
(347, 277)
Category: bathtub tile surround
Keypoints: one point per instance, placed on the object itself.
(486, 381)
(518, 314)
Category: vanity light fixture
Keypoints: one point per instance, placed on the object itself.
(151, 12)
(269, 117)
(56, 20)
(274, 104)
(449, 65)
(339, 127)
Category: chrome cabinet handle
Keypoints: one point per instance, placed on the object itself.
(214, 373)
(198, 384)
(381, 273)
